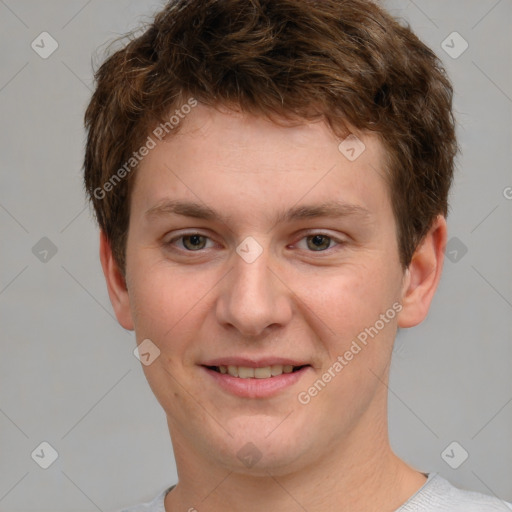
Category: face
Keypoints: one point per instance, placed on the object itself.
(259, 257)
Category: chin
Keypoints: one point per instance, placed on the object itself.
(263, 451)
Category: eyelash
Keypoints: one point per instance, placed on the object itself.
(338, 242)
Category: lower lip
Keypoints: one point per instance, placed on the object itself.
(256, 388)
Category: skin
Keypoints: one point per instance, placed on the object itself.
(292, 301)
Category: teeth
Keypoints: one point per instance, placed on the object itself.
(263, 373)
(244, 372)
(276, 369)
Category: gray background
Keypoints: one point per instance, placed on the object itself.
(67, 372)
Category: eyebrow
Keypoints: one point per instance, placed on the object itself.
(333, 209)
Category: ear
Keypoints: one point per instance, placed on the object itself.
(116, 284)
(423, 274)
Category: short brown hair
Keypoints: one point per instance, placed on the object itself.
(346, 61)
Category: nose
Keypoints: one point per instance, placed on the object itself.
(253, 298)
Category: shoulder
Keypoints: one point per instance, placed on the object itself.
(439, 495)
(155, 505)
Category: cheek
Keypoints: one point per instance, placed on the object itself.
(158, 302)
(357, 309)
(353, 297)
(169, 305)
(349, 306)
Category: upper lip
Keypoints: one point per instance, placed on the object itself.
(253, 363)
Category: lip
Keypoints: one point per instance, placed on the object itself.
(254, 388)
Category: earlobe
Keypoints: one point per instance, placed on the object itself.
(423, 274)
(116, 284)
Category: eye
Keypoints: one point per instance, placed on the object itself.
(195, 242)
(320, 242)
(190, 241)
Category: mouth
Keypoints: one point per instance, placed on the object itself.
(263, 372)
(262, 380)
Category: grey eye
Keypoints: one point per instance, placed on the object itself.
(318, 242)
(194, 242)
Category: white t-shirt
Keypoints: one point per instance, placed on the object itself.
(436, 495)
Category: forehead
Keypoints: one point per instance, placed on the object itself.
(231, 158)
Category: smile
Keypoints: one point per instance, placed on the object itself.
(264, 372)
(262, 380)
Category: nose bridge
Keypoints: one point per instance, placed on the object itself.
(252, 298)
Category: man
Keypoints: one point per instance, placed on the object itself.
(270, 178)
